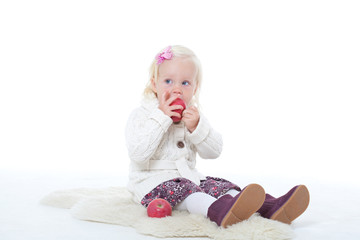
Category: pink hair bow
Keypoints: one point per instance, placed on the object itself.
(166, 54)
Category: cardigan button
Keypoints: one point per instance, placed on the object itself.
(180, 145)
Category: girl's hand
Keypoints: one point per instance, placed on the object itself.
(191, 118)
(164, 105)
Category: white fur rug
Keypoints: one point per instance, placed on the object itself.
(115, 206)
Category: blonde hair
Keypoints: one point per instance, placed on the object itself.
(181, 52)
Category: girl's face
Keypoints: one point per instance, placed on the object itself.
(177, 77)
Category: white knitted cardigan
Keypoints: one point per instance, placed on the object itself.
(161, 150)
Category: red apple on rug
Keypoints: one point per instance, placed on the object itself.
(159, 208)
(178, 101)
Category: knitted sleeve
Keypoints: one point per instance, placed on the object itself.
(207, 141)
(144, 132)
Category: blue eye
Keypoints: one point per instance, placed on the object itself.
(185, 83)
(168, 81)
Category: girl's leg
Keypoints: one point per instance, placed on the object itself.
(218, 187)
(174, 191)
(197, 203)
(226, 210)
(287, 207)
(233, 192)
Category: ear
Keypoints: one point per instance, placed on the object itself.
(153, 85)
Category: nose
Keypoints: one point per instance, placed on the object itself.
(176, 89)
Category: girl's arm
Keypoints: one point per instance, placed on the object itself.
(144, 132)
(207, 141)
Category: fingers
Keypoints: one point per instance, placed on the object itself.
(175, 114)
(176, 107)
(170, 100)
(164, 105)
(167, 100)
(165, 96)
(190, 114)
(190, 111)
(191, 118)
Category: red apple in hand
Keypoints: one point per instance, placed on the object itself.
(159, 208)
(178, 101)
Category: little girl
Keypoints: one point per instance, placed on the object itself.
(163, 151)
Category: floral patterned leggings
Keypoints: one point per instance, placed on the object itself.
(176, 190)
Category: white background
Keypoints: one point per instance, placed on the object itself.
(281, 82)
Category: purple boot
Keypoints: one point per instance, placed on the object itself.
(288, 207)
(228, 210)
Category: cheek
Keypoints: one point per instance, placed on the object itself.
(188, 95)
(163, 87)
(159, 94)
(159, 87)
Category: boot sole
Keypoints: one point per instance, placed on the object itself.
(294, 206)
(249, 201)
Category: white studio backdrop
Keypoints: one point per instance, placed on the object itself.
(281, 82)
